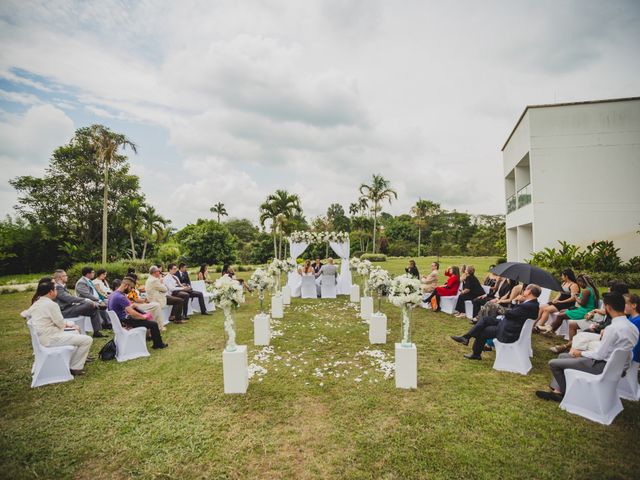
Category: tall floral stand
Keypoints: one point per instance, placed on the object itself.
(406, 355)
(366, 308)
(286, 295)
(235, 370)
(277, 309)
(378, 328)
(354, 294)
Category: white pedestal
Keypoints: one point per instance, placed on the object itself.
(406, 366)
(286, 295)
(235, 370)
(355, 294)
(378, 328)
(366, 308)
(277, 310)
(261, 329)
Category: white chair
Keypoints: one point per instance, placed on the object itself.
(51, 364)
(514, 357)
(131, 343)
(448, 304)
(166, 314)
(628, 387)
(486, 288)
(468, 309)
(595, 397)
(83, 322)
(328, 286)
(543, 299)
(200, 286)
(308, 287)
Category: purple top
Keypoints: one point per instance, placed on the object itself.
(636, 350)
(118, 302)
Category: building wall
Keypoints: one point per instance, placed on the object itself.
(585, 176)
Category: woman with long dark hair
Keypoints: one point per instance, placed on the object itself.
(566, 299)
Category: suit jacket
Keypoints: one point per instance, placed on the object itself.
(156, 291)
(65, 300)
(183, 277)
(328, 270)
(510, 326)
(84, 290)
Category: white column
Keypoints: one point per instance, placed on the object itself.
(366, 308)
(378, 328)
(277, 310)
(261, 329)
(355, 293)
(235, 370)
(286, 295)
(406, 366)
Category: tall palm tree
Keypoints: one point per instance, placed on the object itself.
(279, 207)
(152, 223)
(379, 190)
(107, 144)
(219, 209)
(132, 210)
(422, 210)
(268, 212)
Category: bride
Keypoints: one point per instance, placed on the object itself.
(306, 269)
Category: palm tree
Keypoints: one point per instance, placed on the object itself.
(107, 144)
(422, 210)
(152, 223)
(375, 193)
(279, 207)
(132, 210)
(219, 209)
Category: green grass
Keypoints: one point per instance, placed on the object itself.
(20, 278)
(166, 415)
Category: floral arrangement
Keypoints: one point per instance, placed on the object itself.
(379, 281)
(364, 268)
(353, 264)
(228, 293)
(276, 267)
(405, 291)
(260, 280)
(319, 237)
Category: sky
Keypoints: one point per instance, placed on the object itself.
(229, 101)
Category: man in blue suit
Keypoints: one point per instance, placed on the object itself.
(506, 328)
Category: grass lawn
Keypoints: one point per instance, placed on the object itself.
(321, 408)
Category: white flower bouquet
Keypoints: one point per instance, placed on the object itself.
(405, 292)
(380, 282)
(353, 264)
(261, 280)
(319, 237)
(228, 293)
(364, 269)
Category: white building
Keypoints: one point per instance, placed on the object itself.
(572, 173)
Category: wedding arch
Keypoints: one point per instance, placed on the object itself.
(339, 243)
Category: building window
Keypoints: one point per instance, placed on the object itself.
(511, 203)
(524, 196)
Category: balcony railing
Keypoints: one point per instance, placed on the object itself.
(511, 203)
(524, 196)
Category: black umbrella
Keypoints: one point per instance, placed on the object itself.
(526, 273)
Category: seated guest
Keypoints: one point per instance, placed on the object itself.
(430, 282)
(490, 278)
(130, 316)
(203, 273)
(505, 328)
(86, 289)
(158, 292)
(501, 288)
(632, 311)
(587, 300)
(72, 306)
(143, 304)
(449, 289)
(131, 273)
(621, 334)
(317, 265)
(330, 270)
(565, 299)
(46, 317)
(183, 275)
(101, 284)
(412, 269)
(471, 289)
(185, 292)
(512, 289)
(231, 273)
(306, 269)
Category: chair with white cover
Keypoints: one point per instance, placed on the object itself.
(308, 287)
(328, 286)
(486, 288)
(628, 387)
(514, 357)
(468, 309)
(544, 297)
(595, 397)
(84, 323)
(51, 364)
(448, 304)
(166, 314)
(200, 286)
(131, 343)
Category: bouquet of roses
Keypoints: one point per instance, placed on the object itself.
(227, 292)
(405, 291)
(260, 280)
(353, 264)
(379, 281)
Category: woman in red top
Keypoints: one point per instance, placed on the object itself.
(448, 289)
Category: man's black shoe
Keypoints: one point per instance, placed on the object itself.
(205, 313)
(462, 340)
(553, 396)
(98, 335)
(471, 356)
(90, 359)
(164, 345)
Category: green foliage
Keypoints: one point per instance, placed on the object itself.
(114, 269)
(597, 257)
(169, 252)
(207, 241)
(402, 248)
(500, 260)
(373, 257)
(242, 229)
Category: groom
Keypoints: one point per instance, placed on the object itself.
(328, 269)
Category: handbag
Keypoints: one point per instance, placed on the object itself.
(108, 351)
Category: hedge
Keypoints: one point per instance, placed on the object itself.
(373, 257)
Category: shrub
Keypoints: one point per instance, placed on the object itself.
(501, 260)
(207, 241)
(597, 257)
(402, 248)
(169, 252)
(373, 257)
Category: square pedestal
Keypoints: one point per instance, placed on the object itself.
(286, 295)
(378, 328)
(277, 310)
(354, 294)
(406, 366)
(235, 370)
(366, 308)
(261, 329)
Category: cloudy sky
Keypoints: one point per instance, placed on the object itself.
(230, 100)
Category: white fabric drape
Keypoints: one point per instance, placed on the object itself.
(344, 279)
(294, 280)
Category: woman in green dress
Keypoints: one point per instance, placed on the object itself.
(587, 301)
